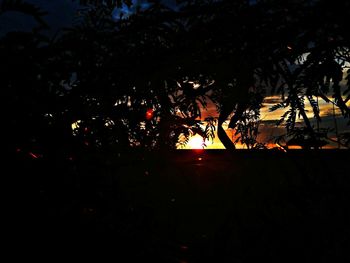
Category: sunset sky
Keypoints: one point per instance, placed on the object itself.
(268, 129)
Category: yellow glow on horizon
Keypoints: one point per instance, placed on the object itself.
(195, 142)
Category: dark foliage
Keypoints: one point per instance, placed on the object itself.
(107, 73)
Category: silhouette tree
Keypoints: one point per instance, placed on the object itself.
(141, 80)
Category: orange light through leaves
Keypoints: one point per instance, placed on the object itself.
(149, 114)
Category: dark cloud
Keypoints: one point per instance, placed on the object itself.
(60, 14)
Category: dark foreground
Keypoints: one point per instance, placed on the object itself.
(187, 206)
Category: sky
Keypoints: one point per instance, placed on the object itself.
(268, 129)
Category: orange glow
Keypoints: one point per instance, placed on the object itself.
(295, 147)
(149, 114)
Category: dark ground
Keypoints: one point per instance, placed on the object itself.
(186, 206)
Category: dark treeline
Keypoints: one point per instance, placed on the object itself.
(104, 74)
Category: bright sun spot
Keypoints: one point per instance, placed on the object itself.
(195, 142)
